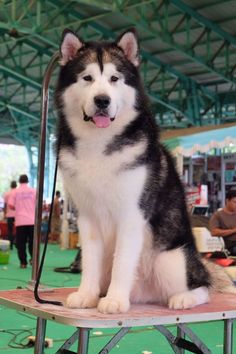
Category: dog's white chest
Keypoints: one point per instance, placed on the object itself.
(97, 180)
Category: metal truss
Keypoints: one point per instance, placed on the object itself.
(184, 98)
(198, 39)
(162, 26)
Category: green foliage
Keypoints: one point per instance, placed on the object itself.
(13, 162)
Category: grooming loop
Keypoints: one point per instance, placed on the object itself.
(41, 163)
(221, 308)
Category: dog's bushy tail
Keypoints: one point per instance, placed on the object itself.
(221, 281)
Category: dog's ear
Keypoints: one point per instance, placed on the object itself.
(128, 42)
(69, 46)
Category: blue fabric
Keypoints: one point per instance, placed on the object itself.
(204, 138)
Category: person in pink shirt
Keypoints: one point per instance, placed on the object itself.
(9, 214)
(23, 201)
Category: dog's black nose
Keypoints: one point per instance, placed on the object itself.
(102, 101)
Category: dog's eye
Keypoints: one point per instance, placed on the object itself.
(87, 78)
(114, 78)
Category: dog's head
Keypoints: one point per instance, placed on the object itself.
(98, 80)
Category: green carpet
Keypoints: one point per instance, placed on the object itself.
(15, 326)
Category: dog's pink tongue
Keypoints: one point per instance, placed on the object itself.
(102, 121)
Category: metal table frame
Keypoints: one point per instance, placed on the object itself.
(222, 307)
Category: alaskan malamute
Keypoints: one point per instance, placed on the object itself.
(135, 233)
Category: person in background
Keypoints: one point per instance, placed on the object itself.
(223, 222)
(23, 200)
(9, 214)
(56, 219)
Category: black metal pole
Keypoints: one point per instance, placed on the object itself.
(41, 163)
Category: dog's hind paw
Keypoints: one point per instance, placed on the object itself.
(79, 300)
(113, 305)
(189, 299)
(182, 301)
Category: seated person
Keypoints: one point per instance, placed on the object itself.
(223, 222)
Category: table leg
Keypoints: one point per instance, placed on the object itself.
(83, 340)
(180, 334)
(40, 336)
(228, 336)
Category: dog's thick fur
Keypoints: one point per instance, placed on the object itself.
(136, 239)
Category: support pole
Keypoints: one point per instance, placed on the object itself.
(41, 164)
(222, 169)
(180, 334)
(40, 336)
(83, 340)
(228, 336)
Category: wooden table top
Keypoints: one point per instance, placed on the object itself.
(221, 306)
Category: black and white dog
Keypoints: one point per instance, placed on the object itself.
(136, 238)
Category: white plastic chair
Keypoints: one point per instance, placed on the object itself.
(205, 242)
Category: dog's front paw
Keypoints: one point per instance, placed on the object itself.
(113, 305)
(81, 300)
(182, 301)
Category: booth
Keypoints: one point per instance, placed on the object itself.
(206, 155)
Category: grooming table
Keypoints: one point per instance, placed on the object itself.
(221, 307)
